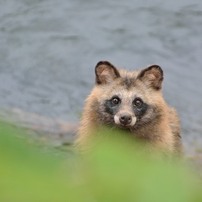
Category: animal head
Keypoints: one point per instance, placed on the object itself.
(127, 99)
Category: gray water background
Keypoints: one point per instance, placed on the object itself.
(48, 51)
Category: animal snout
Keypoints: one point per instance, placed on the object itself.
(125, 119)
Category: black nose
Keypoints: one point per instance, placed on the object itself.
(125, 119)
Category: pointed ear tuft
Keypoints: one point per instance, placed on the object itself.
(152, 76)
(105, 72)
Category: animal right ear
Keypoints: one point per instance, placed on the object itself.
(105, 72)
(152, 76)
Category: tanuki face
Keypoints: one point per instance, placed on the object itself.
(127, 99)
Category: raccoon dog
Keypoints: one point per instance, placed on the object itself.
(132, 101)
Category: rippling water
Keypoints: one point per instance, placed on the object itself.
(48, 50)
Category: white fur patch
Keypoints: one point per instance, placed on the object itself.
(116, 120)
(133, 121)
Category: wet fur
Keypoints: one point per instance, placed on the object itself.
(159, 125)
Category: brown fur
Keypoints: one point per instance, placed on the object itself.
(159, 124)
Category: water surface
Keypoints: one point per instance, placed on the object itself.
(48, 50)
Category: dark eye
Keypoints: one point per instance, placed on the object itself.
(138, 102)
(115, 101)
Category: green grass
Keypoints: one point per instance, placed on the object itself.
(112, 171)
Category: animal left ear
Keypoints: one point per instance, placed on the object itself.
(152, 76)
(105, 72)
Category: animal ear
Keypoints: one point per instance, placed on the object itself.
(105, 72)
(152, 76)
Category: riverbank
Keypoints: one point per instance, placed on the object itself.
(53, 132)
(60, 134)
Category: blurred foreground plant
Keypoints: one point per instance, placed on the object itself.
(114, 170)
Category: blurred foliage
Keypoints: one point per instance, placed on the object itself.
(114, 170)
